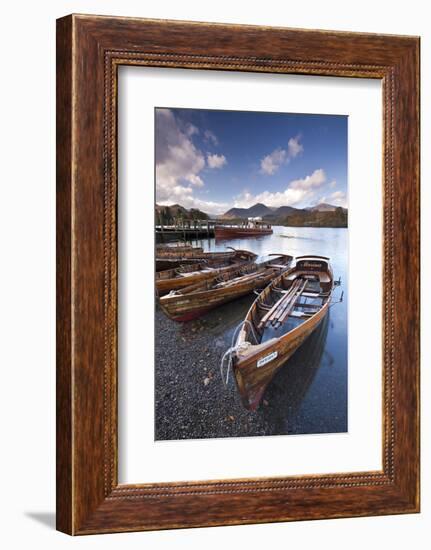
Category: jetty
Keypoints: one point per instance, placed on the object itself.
(182, 229)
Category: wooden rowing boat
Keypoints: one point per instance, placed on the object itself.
(174, 251)
(186, 275)
(177, 248)
(189, 274)
(168, 261)
(170, 256)
(277, 324)
(195, 300)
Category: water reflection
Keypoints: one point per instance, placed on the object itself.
(285, 394)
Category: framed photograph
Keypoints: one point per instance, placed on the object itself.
(237, 264)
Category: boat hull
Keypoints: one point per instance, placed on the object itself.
(185, 308)
(192, 301)
(240, 232)
(164, 286)
(171, 280)
(177, 249)
(190, 316)
(252, 380)
(170, 262)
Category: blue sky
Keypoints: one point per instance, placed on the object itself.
(215, 160)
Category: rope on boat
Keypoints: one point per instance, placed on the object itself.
(228, 354)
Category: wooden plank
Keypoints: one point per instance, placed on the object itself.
(288, 297)
(291, 304)
(275, 307)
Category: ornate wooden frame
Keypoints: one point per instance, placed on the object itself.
(89, 51)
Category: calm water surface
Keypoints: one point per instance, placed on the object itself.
(308, 395)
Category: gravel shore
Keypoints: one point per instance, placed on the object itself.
(191, 400)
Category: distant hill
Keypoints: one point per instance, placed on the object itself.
(323, 207)
(256, 211)
(320, 215)
(316, 218)
(282, 212)
(174, 209)
(167, 214)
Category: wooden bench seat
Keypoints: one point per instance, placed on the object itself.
(322, 275)
(281, 309)
(278, 266)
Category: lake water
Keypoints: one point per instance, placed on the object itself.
(309, 394)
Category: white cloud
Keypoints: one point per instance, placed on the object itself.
(211, 137)
(297, 193)
(272, 162)
(195, 180)
(178, 161)
(186, 199)
(179, 164)
(294, 147)
(191, 129)
(337, 198)
(315, 180)
(216, 161)
(338, 195)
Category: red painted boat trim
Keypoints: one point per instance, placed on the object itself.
(192, 315)
(240, 232)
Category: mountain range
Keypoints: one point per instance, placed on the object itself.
(320, 215)
(263, 211)
(256, 211)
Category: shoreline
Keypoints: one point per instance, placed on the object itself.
(191, 400)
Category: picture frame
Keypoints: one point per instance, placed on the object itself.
(89, 51)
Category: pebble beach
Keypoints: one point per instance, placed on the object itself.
(192, 401)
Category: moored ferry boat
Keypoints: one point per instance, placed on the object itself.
(254, 227)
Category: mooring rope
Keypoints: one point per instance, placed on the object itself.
(234, 348)
(331, 303)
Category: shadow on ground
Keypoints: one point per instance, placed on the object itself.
(45, 518)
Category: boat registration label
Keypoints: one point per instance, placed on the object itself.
(265, 360)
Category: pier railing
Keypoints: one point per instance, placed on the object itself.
(185, 229)
(189, 229)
